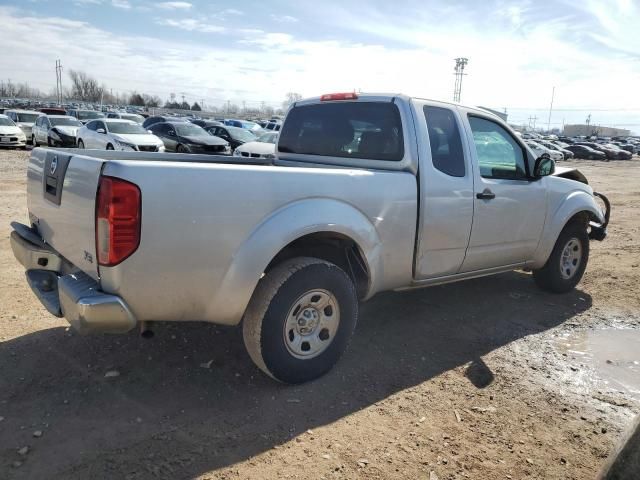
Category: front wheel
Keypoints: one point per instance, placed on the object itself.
(109, 146)
(300, 319)
(80, 144)
(567, 262)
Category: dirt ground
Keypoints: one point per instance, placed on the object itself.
(480, 379)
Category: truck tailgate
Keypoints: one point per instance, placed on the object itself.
(61, 197)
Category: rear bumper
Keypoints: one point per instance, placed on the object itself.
(73, 294)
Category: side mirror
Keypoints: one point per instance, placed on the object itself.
(544, 166)
(100, 130)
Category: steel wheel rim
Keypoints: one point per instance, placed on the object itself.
(571, 258)
(312, 323)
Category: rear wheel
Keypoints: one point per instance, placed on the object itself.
(300, 319)
(181, 149)
(567, 262)
(80, 143)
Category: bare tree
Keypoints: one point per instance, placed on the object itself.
(290, 97)
(84, 87)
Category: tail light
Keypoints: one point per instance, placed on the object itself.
(117, 220)
(338, 96)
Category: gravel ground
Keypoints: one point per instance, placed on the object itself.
(485, 379)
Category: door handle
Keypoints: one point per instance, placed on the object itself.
(486, 195)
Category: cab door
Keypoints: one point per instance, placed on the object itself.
(446, 191)
(509, 206)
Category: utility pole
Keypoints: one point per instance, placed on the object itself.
(532, 119)
(550, 109)
(588, 119)
(459, 73)
(59, 81)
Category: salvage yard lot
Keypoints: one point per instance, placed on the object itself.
(489, 378)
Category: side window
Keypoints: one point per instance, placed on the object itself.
(446, 144)
(101, 125)
(92, 126)
(38, 122)
(499, 155)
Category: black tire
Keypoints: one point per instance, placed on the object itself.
(34, 141)
(109, 146)
(554, 276)
(50, 142)
(265, 321)
(181, 149)
(80, 143)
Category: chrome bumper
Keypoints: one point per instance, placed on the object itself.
(73, 295)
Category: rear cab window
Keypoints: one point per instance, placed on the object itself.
(358, 130)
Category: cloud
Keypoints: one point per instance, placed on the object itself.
(283, 18)
(174, 5)
(191, 25)
(231, 11)
(124, 4)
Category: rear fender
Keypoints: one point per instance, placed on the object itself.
(277, 231)
(575, 202)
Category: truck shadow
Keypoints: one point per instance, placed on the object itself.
(190, 400)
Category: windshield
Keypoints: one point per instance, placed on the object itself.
(241, 134)
(88, 115)
(268, 138)
(65, 122)
(133, 117)
(28, 117)
(6, 122)
(126, 128)
(189, 129)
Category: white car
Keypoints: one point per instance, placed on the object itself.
(263, 147)
(10, 134)
(55, 131)
(538, 150)
(23, 119)
(117, 134)
(134, 117)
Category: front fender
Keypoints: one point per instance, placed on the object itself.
(573, 203)
(281, 228)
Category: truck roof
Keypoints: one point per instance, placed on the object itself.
(387, 97)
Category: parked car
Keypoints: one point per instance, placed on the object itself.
(610, 153)
(148, 122)
(206, 123)
(582, 151)
(273, 126)
(134, 117)
(552, 146)
(234, 135)
(10, 134)
(117, 134)
(263, 147)
(620, 153)
(23, 119)
(53, 111)
(289, 250)
(55, 131)
(539, 150)
(185, 137)
(85, 115)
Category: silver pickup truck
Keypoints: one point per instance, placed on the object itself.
(367, 193)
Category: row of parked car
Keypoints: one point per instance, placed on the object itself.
(133, 132)
(562, 148)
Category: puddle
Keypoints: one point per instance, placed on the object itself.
(613, 355)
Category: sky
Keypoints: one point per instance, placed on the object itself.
(257, 51)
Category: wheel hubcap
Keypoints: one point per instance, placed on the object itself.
(311, 324)
(570, 258)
